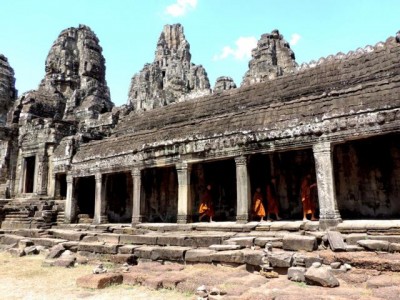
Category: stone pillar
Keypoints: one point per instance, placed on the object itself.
(51, 183)
(70, 202)
(328, 211)
(136, 195)
(99, 201)
(242, 190)
(184, 194)
(41, 170)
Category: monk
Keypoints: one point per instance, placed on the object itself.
(258, 207)
(272, 200)
(306, 199)
(206, 205)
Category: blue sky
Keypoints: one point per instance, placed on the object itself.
(220, 32)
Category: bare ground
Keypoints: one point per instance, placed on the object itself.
(26, 278)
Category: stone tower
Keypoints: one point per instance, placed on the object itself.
(171, 77)
(271, 58)
(8, 93)
(75, 69)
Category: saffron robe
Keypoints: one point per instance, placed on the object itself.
(306, 199)
(206, 205)
(258, 207)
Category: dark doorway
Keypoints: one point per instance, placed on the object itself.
(160, 186)
(119, 197)
(61, 186)
(221, 175)
(85, 195)
(367, 178)
(288, 168)
(29, 173)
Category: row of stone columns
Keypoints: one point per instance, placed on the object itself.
(329, 214)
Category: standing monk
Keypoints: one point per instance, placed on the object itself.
(258, 207)
(206, 205)
(308, 204)
(272, 200)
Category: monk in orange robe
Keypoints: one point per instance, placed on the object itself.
(258, 207)
(306, 199)
(206, 205)
(272, 200)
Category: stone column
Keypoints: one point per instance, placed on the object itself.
(328, 211)
(99, 201)
(184, 195)
(242, 190)
(136, 195)
(51, 183)
(70, 202)
(41, 170)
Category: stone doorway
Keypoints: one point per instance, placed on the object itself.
(85, 197)
(222, 177)
(288, 168)
(119, 197)
(160, 199)
(61, 186)
(367, 178)
(29, 179)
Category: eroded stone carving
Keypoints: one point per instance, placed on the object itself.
(171, 77)
(224, 83)
(271, 58)
(8, 93)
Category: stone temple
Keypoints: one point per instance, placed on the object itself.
(68, 155)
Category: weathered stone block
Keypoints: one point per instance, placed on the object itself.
(123, 258)
(241, 241)
(299, 242)
(55, 251)
(67, 235)
(296, 274)
(22, 244)
(90, 239)
(144, 251)
(9, 239)
(109, 238)
(99, 281)
(261, 241)
(128, 249)
(320, 276)
(231, 256)
(47, 242)
(169, 253)
(98, 248)
(225, 247)
(134, 277)
(138, 239)
(374, 245)
(253, 257)
(280, 259)
(394, 247)
(199, 255)
(66, 262)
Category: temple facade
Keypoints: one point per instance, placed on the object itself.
(69, 155)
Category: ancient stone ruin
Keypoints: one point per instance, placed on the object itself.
(128, 181)
(172, 77)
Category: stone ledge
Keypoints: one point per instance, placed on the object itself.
(99, 281)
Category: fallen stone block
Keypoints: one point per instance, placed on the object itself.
(55, 251)
(69, 235)
(31, 250)
(22, 244)
(16, 252)
(336, 241)
(47, 242)
(109, 238)
(280, 259)
(9, 239)
(66, 262)
(153, 283)
(303, 260)
(134, 277)
(383, 281)
(144, 251)
(320, 276)
(394, 247)
(374, 245)
(73, 246)
(296, 274)
(99, 281)
(261, 241)
(354, 248)
(199, 255)
(299, 242)
(175, 253)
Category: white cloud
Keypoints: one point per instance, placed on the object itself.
(180, 8)
(295, 38)
(241, 51)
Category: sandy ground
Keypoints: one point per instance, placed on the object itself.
(25, 278)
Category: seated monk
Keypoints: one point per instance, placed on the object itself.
(272, 200)
(206, 205)
(258, 207)
(306, 199)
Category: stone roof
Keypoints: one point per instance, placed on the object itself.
(312, 103)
